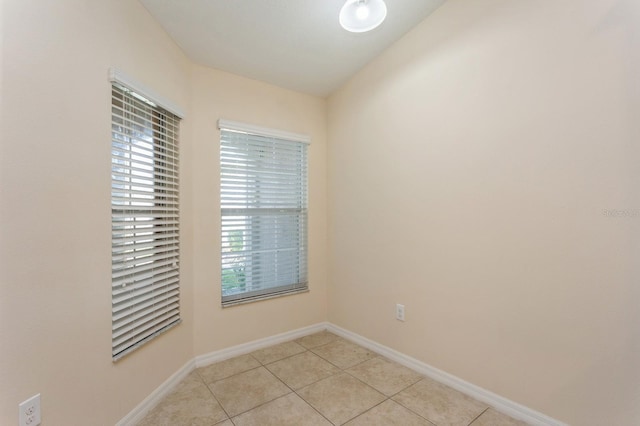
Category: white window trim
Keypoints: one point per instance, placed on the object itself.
(251, 129)
(117, 76)
(262, 131)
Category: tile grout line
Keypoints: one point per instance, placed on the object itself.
(331, 373)
(478, 416)
(418, 414)
(410, 410)
(344, 370)
(214, 397)
(236, 374)
(389, 398)
(271, 400)
(341, 371)
(264, 365)
(292, 391)
(312, 407)
(311, 383)
(260, 405)
(279, 359)
(367, 410)
(310, 350)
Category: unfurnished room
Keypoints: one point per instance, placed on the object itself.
(320, 212)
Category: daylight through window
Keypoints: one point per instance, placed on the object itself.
(263, 195)
(144, 220)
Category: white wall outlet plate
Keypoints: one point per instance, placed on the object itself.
(400, 312)
(30, 412)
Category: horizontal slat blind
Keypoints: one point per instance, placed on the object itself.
(263, 193)
(144, 220)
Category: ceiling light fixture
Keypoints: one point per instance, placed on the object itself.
(359, 16)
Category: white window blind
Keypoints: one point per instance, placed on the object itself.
(264, 213)
(145, 220)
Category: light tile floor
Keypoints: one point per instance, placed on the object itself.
(322, 380)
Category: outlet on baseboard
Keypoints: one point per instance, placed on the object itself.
(30, 412)
(399, 312)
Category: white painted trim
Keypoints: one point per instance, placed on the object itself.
(498, 402)
(165, 388)
(156, 396)
(262, 131)
(117, 76)
(504, 405)
(245, 348)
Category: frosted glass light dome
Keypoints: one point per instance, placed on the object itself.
(359, 16)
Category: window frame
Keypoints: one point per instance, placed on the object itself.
(293, 217)
(145, 214)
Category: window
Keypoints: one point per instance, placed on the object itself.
(144, 220)
(263, 194)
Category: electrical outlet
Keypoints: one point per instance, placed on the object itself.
(400, 312)
(30, 412)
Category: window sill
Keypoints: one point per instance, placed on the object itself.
(263, 297)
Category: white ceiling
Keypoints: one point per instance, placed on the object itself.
(295, 44)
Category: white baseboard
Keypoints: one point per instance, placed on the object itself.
(156, 396)
(165, 388)
(245, 348)
(504, 405)
(498, 402)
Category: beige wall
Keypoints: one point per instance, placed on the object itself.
(55, 250)
(55, 264)
(221, 95)
(468, 170)
(469, 167)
